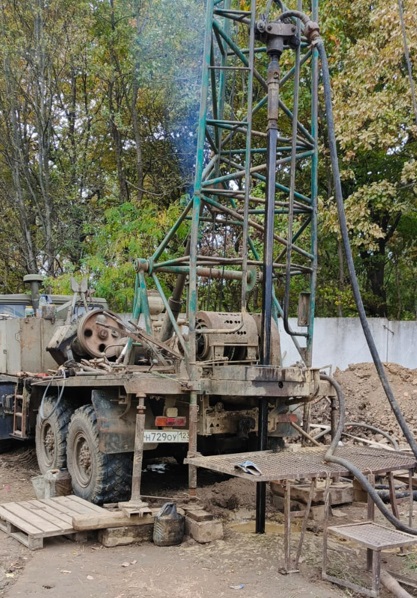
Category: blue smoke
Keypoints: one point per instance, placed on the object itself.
(171, 54)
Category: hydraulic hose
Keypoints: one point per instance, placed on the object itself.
(361, 425)
(41, 412)
(362, 316)
(348, 253)
(386, 497)
(362, 479)
(312, 33)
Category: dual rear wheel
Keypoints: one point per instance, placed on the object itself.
(71, 439)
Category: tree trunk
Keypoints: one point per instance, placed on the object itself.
(341, 275)
(118, 146)
(375, 270)
(115, 108)
(135, 119)
(43, 123)
(14, 157)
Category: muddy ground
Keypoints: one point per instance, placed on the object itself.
(242, 564)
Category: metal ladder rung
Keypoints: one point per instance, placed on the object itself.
(19, 417)
(224, 11)
(229, 68)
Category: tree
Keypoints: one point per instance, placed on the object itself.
(376, 132)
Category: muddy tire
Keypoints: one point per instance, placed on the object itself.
(95, 476)
(51, 434)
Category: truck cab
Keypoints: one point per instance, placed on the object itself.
(26, 327)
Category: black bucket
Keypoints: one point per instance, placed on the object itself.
(169, 526)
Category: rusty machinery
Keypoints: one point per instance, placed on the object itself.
(252, 219)
(252, 224)
(204, 368)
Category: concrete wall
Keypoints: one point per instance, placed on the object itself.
(340, 341)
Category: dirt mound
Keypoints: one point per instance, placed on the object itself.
(367, 403)
(231, 497)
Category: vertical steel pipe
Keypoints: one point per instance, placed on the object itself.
(267, 281)
(192, 443)
(138, 451)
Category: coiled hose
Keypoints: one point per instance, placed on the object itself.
(362, 479)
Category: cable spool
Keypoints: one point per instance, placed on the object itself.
(99, 333)
(226, 337)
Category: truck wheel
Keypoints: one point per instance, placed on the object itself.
(96, 476)
(51, 434)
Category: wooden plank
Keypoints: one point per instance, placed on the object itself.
(66, 519)
(42, 512)
(26, 516)
(5, 526)
(59, 507)
(340, 493)
(31, 542)
(109, 519)
(85, 503)
(80, 506)
(17, 521)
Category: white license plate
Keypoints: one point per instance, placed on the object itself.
(166, 436)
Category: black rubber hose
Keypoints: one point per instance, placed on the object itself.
(362, 479)
(361, 425)
(58, 400)
(362, 316)
(386, 497)
(348, 252)
(329, 456)
(297, 14)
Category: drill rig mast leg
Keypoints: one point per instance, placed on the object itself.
(135, 506)
(192, 445)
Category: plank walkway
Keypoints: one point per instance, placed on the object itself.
(31, 521)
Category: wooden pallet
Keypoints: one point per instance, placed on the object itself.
(31, 521)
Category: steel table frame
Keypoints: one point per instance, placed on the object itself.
(308, 464)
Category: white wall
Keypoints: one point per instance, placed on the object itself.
(339, 342)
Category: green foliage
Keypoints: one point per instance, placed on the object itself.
(98, 118)
(128, 231)
(376, 132)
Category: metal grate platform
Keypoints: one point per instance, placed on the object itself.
(374, 538)
(372, 535)
(307, 463)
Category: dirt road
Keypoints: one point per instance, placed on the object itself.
(64, 569)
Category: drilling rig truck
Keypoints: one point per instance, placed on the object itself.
(198, 362)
